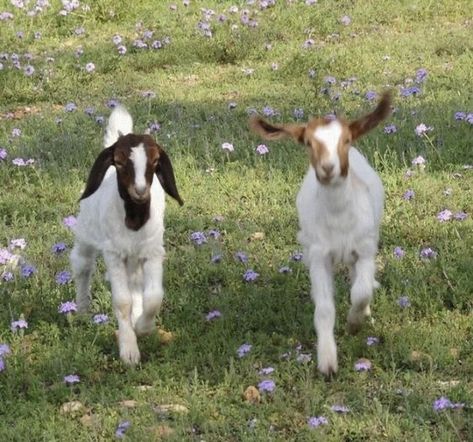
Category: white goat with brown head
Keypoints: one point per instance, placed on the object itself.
(340, 205)
(121, 216)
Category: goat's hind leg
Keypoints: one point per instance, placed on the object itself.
(361, 293)
(82, 260)
(152, 295)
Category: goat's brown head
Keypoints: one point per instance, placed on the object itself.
(328, 140)
(136, 159)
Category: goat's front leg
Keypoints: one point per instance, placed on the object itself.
(152, 295)
(82, 260)
(324, 316)
(361, 292)
(122, 305)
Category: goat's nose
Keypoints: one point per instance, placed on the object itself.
(327, 168)
(141, 190)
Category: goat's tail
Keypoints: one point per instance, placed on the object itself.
(120, 123)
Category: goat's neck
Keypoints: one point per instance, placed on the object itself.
(136, 215)
(338, 197)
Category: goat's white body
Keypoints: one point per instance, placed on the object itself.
(340, 223)
(134, 259)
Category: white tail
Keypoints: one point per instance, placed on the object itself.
(119, 123)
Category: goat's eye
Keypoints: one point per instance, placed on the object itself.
(347, 140)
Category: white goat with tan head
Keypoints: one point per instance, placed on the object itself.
(340, 205)
(122, 216)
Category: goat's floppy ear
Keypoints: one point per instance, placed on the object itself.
(364, 124)
(165, 174)
(270, 131)
(102, 163)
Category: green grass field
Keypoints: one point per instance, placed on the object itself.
(200, 75)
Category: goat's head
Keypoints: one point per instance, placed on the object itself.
(328, 140)
(136, 159)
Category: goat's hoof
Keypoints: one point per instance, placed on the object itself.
(328, 369)
(130, 355)
(353, 328)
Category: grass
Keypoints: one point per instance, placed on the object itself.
(424, 351)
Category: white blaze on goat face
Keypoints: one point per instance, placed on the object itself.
(140, 160)
(327, 138)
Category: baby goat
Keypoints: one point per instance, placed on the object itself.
(121, 216)
(340, 205)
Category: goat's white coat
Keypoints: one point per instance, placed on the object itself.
(139, 158)
(329, 135)
(133, 258)
(340, 223)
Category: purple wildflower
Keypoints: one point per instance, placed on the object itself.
(6, 256)
(274, 66)
(121, 49)
(139, 44)
(267, 386)
(2, 365)
(89, 111)
(154, 127)
(444, 215)
(422, 129)
(408, 91)
(90, 67)
(266, 370)
(345, 20)
(4, 349)
(214, 314)
(28, 70)
(17, 325)
(399, 252)
(116, 39)
(469, 118)
(79, 31)
(404, 302)
(112, 103)
(69, 221)
(459, 116)
(3, 154)
(67, 307)
(390, 129)
(7, 276)
(330, 80)
(27, 270)
(70, 107)
(312, 73)
(19, 243)
(297, 256)
(363, 365)
(342, 409)
(268, 111)
(156, 44)
(285, 269)
(460, 216)
(298, 113)
(308, 43)
(317, 421)
(421, 75)
(250, 275)
(100, 318)
(198, 238)
(15, 133)
(213, 233)
(243, 350)
(121, 429)
(428, 253)
(228, 146)
(372, 340)
(408, 195)
(242, 257)
(71, 379)
(63, 278)
(99, 119)
(262, 149)
(443, 403)
(418, 161)
(371, 95)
